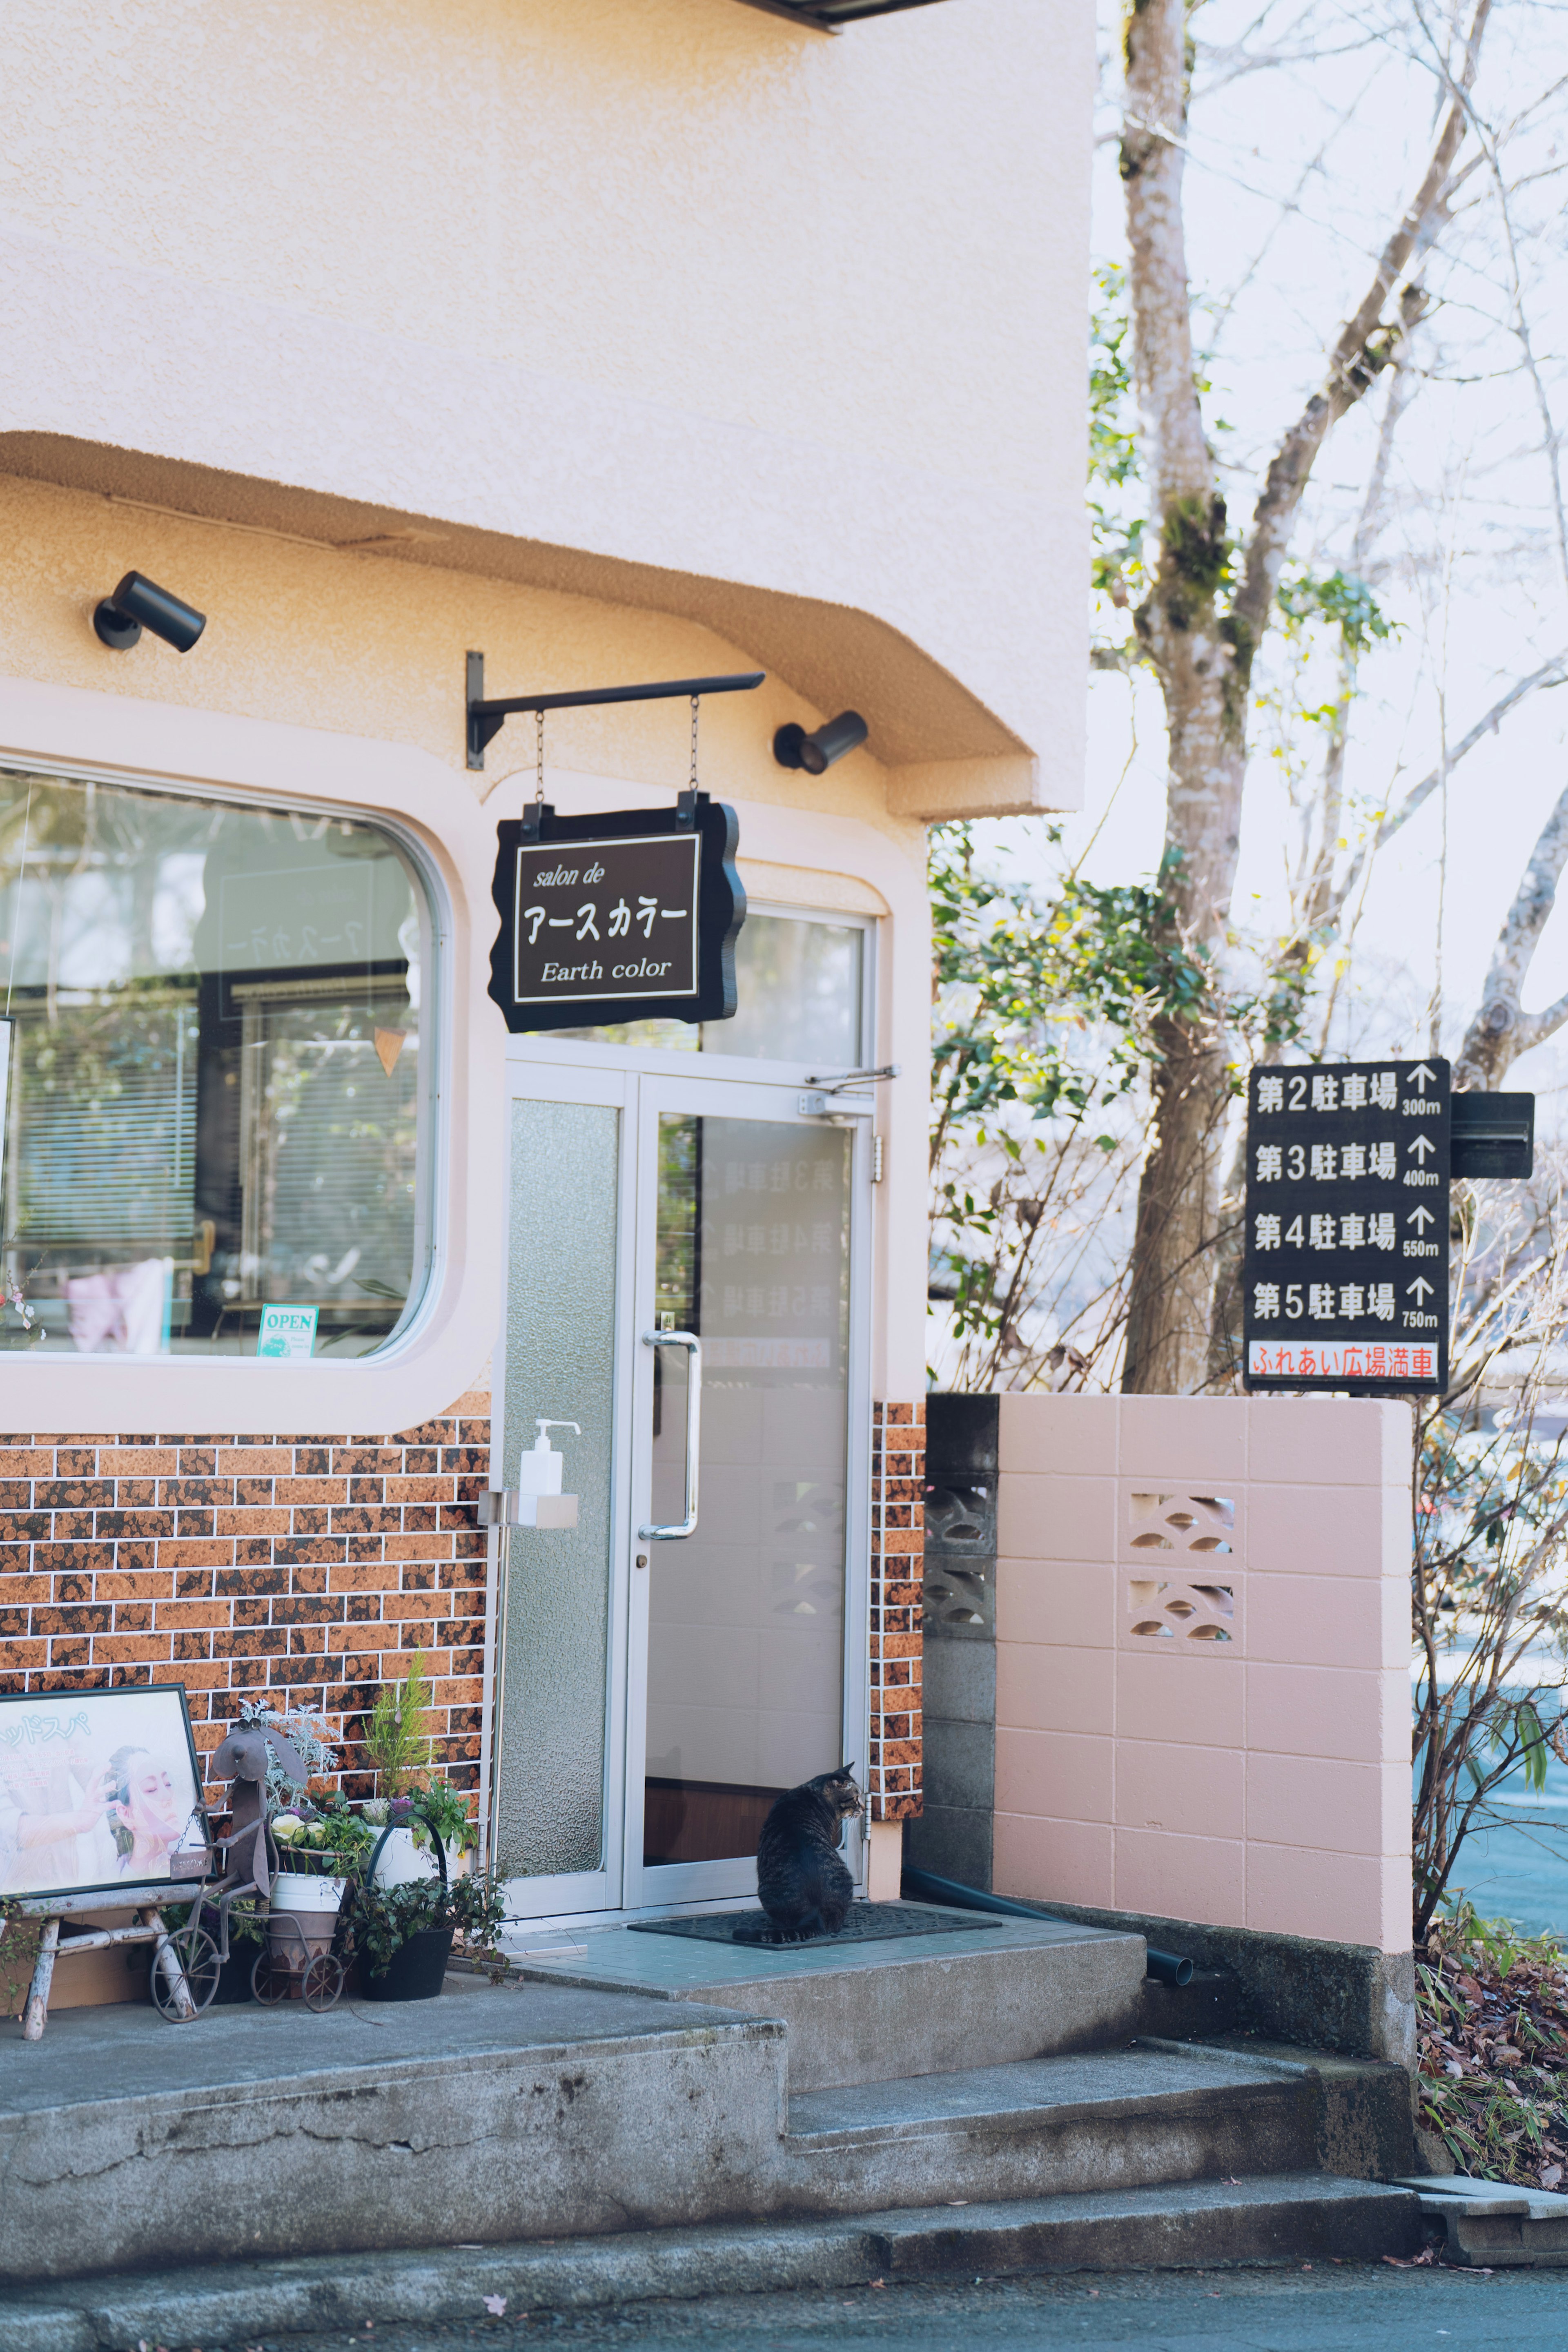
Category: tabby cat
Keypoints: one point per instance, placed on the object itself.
(803, 1886)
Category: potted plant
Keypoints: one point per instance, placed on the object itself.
(402, 1936)
(398, 1746)
(321, 1848)
(442, 1810)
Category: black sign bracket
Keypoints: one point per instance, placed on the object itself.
(485, 719)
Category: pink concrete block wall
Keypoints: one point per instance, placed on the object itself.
(1203, 1697)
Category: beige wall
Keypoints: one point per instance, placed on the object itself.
(319, 679)
(670, 285)
(1262, 1780)
(619, 339)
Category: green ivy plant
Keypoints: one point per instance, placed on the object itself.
(377, 1921)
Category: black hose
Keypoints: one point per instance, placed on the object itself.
(924, 1885)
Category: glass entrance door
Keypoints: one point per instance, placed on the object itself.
(742, 1457)
(685, 1278)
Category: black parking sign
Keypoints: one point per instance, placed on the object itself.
(1346, 1264)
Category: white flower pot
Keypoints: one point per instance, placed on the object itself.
(303, 1918)
(295, 1890)
(402, 1860)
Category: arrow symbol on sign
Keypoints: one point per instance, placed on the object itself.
(1422, 1217)
(1422, 1146)
(1419, 1075)
(1420, 1288)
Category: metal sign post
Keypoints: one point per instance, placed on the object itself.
(1346, 1264)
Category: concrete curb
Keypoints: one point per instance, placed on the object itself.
(1274, 2219)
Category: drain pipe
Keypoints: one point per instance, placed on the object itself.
(925, 1887)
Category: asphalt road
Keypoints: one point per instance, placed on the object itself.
(1348, 2307)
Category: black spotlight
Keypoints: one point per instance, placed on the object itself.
(793, 748)
(140, 604)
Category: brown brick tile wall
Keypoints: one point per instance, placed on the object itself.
(300, 1571)
(897, 1544)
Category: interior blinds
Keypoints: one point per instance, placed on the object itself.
(103, 1126)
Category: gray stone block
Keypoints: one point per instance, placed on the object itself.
(960, 1764)
(954, 1841)
(959, 1681)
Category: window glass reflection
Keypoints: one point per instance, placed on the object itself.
(799, 990)
(212, 1099)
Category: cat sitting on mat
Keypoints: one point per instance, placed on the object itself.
(803, 1886)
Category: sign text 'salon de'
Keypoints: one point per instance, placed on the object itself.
(630, 915)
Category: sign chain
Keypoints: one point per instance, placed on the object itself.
(539, 759)
(696, 705)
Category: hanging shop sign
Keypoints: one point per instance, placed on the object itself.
(632, 915)
(1346, 1263)
(627, 916)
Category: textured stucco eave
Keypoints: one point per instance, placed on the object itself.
(853, 557)
(1014, 785)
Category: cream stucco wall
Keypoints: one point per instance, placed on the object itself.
(319, 679)
(693, 297)
(619, 339)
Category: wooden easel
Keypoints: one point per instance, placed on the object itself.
(52, 1909)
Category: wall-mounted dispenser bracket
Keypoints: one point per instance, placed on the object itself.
(486, 718)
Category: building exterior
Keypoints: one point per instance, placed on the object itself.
(637, 340)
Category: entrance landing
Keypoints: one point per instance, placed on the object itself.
(872, 2011)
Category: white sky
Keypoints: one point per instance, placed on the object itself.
(1474, 576)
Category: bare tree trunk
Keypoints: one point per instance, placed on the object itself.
(1179, 626)
(1202, 651)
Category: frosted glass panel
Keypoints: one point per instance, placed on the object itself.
(560, 1363)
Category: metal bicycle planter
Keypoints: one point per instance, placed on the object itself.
(299, 1957)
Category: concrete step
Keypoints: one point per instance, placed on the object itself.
(500, 2113)
(494, 2113)
(1491, 2225)
(875, 2012)
(1135, 2117)
(1202, 2224)
(1050, 2127)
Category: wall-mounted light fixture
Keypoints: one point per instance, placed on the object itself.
(140, 604)
(793, 748)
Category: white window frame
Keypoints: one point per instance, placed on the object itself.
(434, 1148)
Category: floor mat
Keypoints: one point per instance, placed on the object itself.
(868, 1923)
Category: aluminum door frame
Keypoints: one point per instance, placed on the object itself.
(668, 1887)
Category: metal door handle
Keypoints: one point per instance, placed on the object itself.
(694, 1347)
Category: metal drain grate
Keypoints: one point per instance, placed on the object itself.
(868, 1923)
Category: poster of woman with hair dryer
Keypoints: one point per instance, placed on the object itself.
(97, 1789)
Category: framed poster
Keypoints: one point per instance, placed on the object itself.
(98, 1790)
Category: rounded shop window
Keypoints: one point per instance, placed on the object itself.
(216, 1064)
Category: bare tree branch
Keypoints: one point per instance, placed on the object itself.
(1353, 364)
(1552, 673)
(1502, 1030)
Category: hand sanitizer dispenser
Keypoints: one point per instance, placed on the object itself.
(537, 1500)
